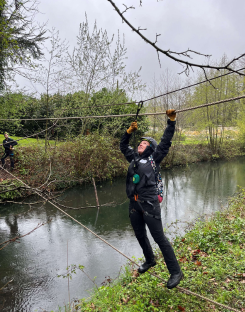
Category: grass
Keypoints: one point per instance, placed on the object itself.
(212, 256)
(29, 141)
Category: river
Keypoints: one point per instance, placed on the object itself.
(35, 261)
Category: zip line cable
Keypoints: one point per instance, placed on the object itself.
(157, 96)
(193, 85)
(132, 261)
(129, 115)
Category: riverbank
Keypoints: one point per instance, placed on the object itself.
(71, 163)
(212, 257)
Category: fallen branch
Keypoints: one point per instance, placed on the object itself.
(6, 284)
(18, 237)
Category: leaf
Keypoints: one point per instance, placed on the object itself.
(126, 300)
(199, 263)
(205, 272)
(183, 259)
(92, 306)
(196, 251)
(181, 308)
(135, 273)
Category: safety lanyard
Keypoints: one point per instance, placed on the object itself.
(140, 105)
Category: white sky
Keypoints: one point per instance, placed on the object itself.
(209, 26)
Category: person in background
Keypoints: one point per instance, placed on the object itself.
(8, 145)
(142, 190)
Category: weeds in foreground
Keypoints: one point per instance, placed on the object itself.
(212, 257)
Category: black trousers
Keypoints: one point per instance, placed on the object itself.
(139, 220)
(11, 159)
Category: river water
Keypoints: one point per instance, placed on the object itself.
(35, 261)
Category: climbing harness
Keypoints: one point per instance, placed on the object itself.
(158, 178)
(147, 214)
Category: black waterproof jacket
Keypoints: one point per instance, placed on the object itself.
(7, 143)
(146, 188)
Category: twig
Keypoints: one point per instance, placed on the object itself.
(68, 207)
(96, 195)
(48, 176)
(6, 284)
(18, 237)
(171, 54)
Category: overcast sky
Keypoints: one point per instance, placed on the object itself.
(209, 26)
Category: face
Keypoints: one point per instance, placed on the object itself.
(143, 145)
(6, 135)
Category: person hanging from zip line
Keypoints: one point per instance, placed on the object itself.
(8, 144)
(144, 189)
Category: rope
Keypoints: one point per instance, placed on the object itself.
(166, 93)
(140, 105)
(132, 261)
(131, 115)
(29, 136)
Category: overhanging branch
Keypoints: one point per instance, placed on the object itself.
(172, 54)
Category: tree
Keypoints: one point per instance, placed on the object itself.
(164, 84)
(97, 62)
(21, 37)
(51, 76)
(114, 126)
(215, 118)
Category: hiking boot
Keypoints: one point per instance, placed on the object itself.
(174, 280)
(146, 266)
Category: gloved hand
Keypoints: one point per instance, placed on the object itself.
(132, 127)
(171, 114)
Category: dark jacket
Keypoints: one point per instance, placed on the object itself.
(7, 143)
(146, 188)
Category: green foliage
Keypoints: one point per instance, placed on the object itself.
(17, 105)
(71, 162)
(11, 189)
(215, 118)
(76, 161)
(241, 123)
(20, 36)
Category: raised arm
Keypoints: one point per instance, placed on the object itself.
(127, 150)
(163, 147)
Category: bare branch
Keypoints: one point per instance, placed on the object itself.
(6, 284)
(157, 35)
(127, 8)
(18, 237)
(205, 74)
(171, 54)
(141, 28)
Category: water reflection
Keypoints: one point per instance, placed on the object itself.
(38, 258)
